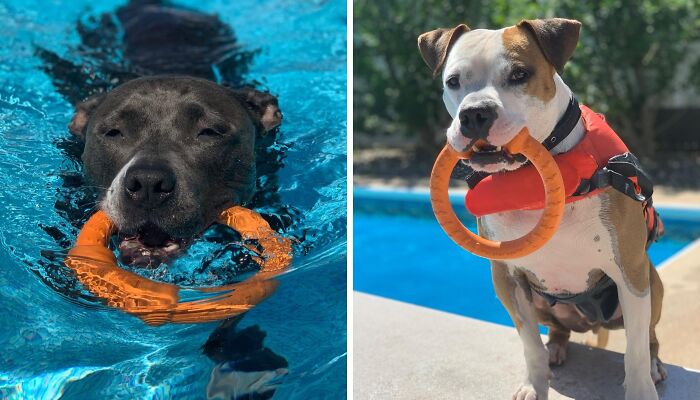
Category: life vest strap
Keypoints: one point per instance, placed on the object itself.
(625, 174)
(655, 226)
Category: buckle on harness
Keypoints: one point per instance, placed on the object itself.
(618, 173)
(607, 177)
(624, 174)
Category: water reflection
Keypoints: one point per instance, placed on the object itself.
(245, 368)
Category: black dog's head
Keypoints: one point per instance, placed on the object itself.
(168, 154)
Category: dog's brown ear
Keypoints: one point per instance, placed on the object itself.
(263, 105)
(435, 45)
(557, 37)
(83, 110)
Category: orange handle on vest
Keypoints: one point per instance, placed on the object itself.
(553, 211)
(156, 302)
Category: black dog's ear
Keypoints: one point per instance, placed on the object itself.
(263, 105)
(557, 37)
(435, 45)
(83, 110)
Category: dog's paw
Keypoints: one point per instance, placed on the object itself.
(658, 371)
(557, 352)
(528, 392)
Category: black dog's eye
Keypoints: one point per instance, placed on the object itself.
(453, 82)
(518, 75)
(209, 132)
(113, 133)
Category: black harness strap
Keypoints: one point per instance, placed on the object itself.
(598, 303)
(617, 173)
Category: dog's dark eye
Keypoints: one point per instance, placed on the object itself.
(113, 133)
(518, 75)
(209, 132)
(453, 82)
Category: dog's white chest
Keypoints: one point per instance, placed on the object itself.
(582, 243)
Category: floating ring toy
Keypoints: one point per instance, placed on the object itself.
(555, 198)
(157, 303)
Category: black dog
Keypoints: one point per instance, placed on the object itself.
(166, 144)
(168, 154)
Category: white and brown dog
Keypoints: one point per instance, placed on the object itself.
(496, 82)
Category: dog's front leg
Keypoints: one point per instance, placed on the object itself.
(514, 292)
(636, 312)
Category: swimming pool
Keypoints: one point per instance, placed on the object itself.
(400, 252)
(55, 341)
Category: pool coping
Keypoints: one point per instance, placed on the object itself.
(688, 248)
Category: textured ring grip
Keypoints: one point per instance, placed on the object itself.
(552, 214)
(158, 303)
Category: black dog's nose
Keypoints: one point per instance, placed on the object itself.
(149, 185)
(475, 122)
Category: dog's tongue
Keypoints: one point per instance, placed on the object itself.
(150, 247)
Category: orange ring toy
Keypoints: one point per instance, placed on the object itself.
(157, 303)
(555, 198)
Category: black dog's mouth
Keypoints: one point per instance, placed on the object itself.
(150, 246)
(487, 154)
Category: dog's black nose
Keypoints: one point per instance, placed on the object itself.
(475, 122)
(149, 185)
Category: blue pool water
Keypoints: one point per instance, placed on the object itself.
(400, 252)
(55, 341)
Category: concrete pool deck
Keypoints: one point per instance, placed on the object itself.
(403, 351)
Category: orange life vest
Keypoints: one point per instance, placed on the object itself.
(522, 189)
